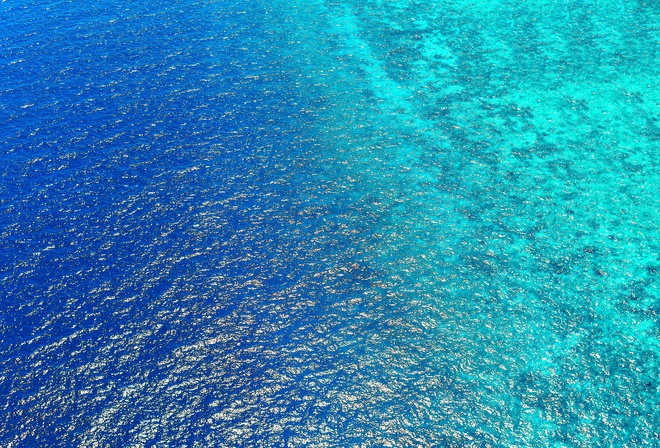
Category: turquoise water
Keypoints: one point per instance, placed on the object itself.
(507, 154)
(330, 223)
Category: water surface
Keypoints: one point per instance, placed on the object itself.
(324, 223)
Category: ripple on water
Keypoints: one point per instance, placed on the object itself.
(329, 224)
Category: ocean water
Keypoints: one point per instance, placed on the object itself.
(330, 223)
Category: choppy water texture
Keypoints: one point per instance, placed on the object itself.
(329, 223)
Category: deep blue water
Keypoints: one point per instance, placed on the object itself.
(329, 223)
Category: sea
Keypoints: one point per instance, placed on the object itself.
(330, 223)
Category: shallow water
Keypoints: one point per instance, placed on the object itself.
(329, 223)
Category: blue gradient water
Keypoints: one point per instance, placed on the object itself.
(318, 223)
